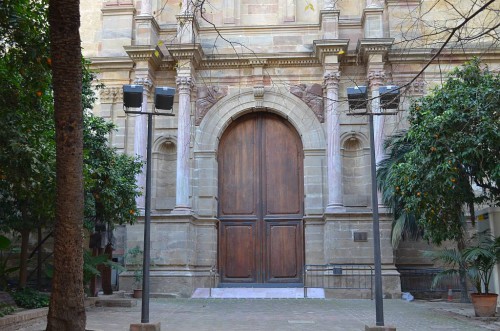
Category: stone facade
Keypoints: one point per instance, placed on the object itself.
(271, 56)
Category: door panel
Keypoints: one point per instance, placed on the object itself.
(238, 162)
(282, 170)
(284, 260)
(260, 201)
(238, 247)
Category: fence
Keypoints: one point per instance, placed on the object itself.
(418, 281)
(338, 276)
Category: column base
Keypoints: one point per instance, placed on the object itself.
(379, 328)
(182, 210)
(145, 327)
(335, 209)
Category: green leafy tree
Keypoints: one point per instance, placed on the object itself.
(27, 147)
(452, 160)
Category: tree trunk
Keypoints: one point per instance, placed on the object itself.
(23, 265)
(66, 310)
(464, 290)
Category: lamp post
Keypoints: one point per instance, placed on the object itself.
(358, 99)
(164, 99)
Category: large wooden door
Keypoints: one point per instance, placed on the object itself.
(260, 202)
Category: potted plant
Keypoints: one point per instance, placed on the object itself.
(481, 258)
(134, 258)
(478, 260)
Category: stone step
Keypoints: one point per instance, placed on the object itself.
(258, 293)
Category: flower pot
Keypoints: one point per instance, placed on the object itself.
(137, 293)
(485, 305)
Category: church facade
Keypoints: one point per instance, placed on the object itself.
(264, 168)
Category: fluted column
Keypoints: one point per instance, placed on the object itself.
(334, 159)
(376, 79)
(140, 136)
(184, 88)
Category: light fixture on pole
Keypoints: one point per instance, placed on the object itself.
(164, 99)
(358, 99)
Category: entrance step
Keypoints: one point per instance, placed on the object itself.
(258, 293)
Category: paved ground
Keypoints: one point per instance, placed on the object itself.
(286, 314)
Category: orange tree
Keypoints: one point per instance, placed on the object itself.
(452, 156)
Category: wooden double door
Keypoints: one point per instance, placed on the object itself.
(261, 238)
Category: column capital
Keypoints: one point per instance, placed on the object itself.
(146, 82)
(376, 77)
(331, 79)
(184, 84)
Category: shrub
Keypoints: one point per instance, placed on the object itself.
(30, 299)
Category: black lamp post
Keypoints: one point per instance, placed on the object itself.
(164, 99)
(389, 99)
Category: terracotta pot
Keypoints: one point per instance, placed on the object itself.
(137, 293)
(485, 305)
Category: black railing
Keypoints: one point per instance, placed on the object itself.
(338, 276)
(419, 280)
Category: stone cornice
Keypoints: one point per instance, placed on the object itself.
(374, 46)
(148, 18)
(324, 47)
(118, 8)
(144, 53)
(111, 63)
(192, 52)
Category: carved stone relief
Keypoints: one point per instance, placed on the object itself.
(206, 97)
(312, 95)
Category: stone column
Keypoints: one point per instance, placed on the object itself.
(335, 194)
(146, 8)
(184, 88)
(140, 136)
(376, 79)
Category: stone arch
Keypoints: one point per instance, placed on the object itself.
(235, 105)
(355, 170)
(164, 154)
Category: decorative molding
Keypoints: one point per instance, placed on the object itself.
(184, 52)
(206, 97)
(416, 88)
(312, 95)
(144, 53)
(258, 94)
(331, 79)
(376, 77)
(144, 81)
(374, 46)
(324, 47)
(111, 94)
(184, 84)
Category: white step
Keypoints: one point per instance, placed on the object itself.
(258, 293)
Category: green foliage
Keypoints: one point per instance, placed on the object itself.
(91, 264)
(27, 147)
(5, 270)
(134, 258)
(452, 143)
(30, 299)
(477, 260)
(110, 184)
(6, 309)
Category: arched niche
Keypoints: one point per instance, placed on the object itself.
(164, 174)
(355, 171)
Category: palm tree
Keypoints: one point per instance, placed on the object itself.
(66, 310)
(404, 224)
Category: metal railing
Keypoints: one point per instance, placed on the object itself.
(418, 280)
(339, 276)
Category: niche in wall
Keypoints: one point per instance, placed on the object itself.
(164, 173)
(355, 173)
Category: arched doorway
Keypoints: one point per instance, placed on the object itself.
(260, 202)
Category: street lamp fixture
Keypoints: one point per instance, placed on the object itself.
(164, 99)
(389, 99)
